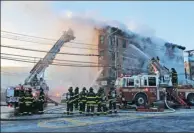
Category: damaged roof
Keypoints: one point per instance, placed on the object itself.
(125, 34)
(174, 46)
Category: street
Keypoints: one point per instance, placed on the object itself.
(179, 121)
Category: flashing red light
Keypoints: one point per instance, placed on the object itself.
(9, 105)
(146, 89)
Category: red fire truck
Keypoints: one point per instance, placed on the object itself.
(145, 89)
(35, 80)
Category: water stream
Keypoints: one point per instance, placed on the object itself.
(96, 77)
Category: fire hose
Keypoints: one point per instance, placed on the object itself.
(165, 101)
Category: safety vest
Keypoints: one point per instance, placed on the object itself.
(76, 96)
(82, 97)
(22, 98)
(70, 97)
(174, 75)
(28, 99)
(100, 99)
(91, 98)
(41, 98)
(112, 95)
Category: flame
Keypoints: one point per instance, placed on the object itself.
(57, 95)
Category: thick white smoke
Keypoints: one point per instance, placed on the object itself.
(38, 19)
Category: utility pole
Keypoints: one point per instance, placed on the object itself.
(190, 54)
(116, 56)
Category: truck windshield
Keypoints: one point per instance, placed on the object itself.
(10, 92)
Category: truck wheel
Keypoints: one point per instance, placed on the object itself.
(140, 100)
(190, 99)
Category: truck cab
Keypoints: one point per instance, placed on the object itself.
(139, 89)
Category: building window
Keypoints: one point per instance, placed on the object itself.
(152, 81)
(124, 43)
(101, 39)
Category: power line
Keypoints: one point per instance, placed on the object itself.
(42, 58)
(18, 39)
(45, 38)
(125, 38)
(33, 60)
(157, 49)
(47, 51)
(57, 64)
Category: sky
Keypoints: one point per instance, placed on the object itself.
(171, 21)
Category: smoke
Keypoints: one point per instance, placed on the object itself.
(38, 19)
(142, 29)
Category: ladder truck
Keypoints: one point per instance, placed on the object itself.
(147, 89)
(35, 80)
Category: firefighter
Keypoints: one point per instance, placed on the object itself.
(91, 101)
(28, 102)
(22, 102)
(101, 102)
(82, 100)
(41, 101)
(157, 59)
(112, 95)
(153, 59)
(150, 67)
(76, 97)
(70, 100)
(174, 77)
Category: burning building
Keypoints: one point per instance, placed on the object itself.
(124, 52)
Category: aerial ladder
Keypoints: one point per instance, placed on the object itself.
(39, 69)
(35, 80)
(37, 72)
(165, 81)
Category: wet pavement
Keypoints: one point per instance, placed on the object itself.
(179, 121)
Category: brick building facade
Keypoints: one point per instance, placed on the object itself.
(129, 59)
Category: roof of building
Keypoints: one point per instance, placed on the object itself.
(122, 33)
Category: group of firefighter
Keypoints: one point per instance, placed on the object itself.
(174, 76)
(27, 102)
(86, 102)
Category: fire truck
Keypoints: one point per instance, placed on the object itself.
(35, 80)
(145, 89)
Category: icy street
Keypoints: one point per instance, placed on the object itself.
(125, 122)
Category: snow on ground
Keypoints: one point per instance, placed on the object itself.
(5, 111)
(133, 122)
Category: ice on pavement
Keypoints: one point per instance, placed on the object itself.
(5, 111)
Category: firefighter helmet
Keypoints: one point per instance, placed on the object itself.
(84, 89)
(100, 90)
(76, 89)
(91, 89)
(70, 89)
(29, 90)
